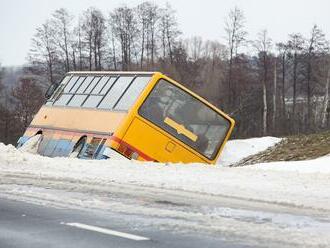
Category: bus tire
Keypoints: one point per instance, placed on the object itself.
(32, 144)
(75, 153)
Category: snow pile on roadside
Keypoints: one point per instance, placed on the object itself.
(273, 182)
(236, 150)
(320, 165)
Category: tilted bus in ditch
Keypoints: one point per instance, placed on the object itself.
(141, 115)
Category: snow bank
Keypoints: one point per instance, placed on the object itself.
(319, 165)
(236, 150)
(303, 183)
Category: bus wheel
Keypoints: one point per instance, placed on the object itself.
(32, 144)
(78, 148)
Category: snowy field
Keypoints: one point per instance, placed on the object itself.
(281, 204)
(302, 183)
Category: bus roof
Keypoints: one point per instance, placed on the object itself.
(112, 72)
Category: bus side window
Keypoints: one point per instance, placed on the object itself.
(63, 100)
(115, 92)
(107, 86)
(92, 85)
(77, 84)
(100, 85)
(132, 93)
(85, 84)
(77, 100)
(92, 101)
(70, 84)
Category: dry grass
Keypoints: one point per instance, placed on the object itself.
(293, 148)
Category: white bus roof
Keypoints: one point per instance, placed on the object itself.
(113, 72)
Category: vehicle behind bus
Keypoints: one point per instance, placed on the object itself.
(141, 115)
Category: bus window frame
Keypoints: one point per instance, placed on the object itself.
(124, 92)
(76, 83)
(99, 78)
(73, 94)
(90, 94)
(106, 93)
(116, 76)
(175, 139)
(58, 91)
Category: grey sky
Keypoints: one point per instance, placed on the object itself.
(205, 18)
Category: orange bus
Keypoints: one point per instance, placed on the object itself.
(145, 116)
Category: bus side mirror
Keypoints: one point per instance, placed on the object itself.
(51, 90)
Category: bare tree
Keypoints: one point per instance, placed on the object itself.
(142, 16)
(78, 44)
(236, 36)
(274, 95)
(315, 45)
(112, 46)
(148, 17)
(295, 45)
(124, 27)
(93, 28)
(28, 99)
(44, 51)
(169, 31)
(194, 47)
(98, 22)
(61, 22)
(263, 46)
(326, 107)
(283, 50)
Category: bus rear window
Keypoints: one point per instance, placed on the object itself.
(186, 118)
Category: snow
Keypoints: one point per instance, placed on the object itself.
(236, 150)
(300, 184)
(320, 165)
(31, 145)
(278, 204)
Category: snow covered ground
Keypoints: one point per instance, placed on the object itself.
(206, 197)
(236, 150)
(303, 183)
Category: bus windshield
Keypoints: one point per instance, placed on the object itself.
(186, 118)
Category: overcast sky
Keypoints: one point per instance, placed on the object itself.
(205, 18)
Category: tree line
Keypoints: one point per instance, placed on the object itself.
(269, 88)
(18, 105)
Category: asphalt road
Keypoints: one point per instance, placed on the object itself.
(48, 212)
(26, 225)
